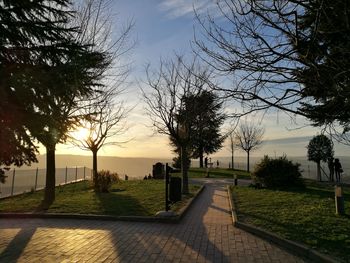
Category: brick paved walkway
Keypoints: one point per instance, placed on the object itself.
(205, 234)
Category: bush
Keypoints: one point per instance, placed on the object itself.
(2, 176)
(277, 173)
(104, 181)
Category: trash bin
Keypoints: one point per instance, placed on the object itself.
(175, 189)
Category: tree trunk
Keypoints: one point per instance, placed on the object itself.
(94, 166)
(49, 194)
(248, 152)
(201, 160)
(184, 170)
(319, 171)
(232, 165)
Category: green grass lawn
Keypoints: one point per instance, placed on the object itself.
(126, 198)
(303, 215)
(217, 173)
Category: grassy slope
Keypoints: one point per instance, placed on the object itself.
(304, 215)
(136, 198)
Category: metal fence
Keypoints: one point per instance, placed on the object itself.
(21, 181)
(308, 168)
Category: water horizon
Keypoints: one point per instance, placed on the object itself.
(138, 167)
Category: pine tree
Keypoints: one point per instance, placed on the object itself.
(45, 70)
(202, 111)
(32, 36)
(207, 120)
(324, 48)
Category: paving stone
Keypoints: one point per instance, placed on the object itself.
(205, 234)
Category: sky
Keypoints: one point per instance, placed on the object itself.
(162, 28)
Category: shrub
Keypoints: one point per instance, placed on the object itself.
(277, 173)
(2, 175)
(104, 181)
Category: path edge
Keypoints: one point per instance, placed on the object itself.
(156, 219)
(291, 246)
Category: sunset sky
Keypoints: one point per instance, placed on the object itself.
(163, 27)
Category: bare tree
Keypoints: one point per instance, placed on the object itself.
(263, 66)
(231, 140)
(166, 108)
(103, 117)
(282, 55)
(249, 137)
(105, 121)
(96, 23)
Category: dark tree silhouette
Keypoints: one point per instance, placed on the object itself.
(105, 122)
(232, 150)
(249, 138)
(80, 72)
(170, 85)
(178, 160)
(207, 118)
(103, 116)
(74, 77)
(320, 148)
(323, 48)
(46, 67)
(33, 36)
(289, 55)
(231, 147)
(50, 128)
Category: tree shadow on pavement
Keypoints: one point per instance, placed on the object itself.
(125, 240)
(199, 236)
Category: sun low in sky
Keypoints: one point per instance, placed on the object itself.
(80, 134)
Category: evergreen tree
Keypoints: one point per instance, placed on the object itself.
(45, 71)
(323, 45)
(32, 36)
(50, 123)
(207, 119)
(177, 150)
(203, 115)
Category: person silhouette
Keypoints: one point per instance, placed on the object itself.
(331, 169)
(337, 169)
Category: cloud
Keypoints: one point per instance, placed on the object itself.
(291, 140)
(181, 8)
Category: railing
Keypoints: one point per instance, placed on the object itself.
(21, 181)
(308, 168)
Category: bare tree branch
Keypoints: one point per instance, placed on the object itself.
(102, 113)
(167, 87)
(288, 55)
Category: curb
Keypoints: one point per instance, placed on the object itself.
(291, 246)
(186, 208)
(154, 219)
